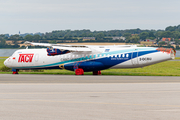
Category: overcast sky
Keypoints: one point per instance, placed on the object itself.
(31, 16)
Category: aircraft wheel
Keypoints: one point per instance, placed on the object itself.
(15, 71)
(79, 71)
(96, 72)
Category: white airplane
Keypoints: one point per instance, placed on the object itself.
(85, 58)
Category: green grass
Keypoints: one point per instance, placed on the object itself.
(1, 62)
(168, 68)
(177, 58)
(3, 57)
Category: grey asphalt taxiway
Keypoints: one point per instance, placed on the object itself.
(62, 97)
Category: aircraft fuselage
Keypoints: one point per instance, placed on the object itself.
(101, 59)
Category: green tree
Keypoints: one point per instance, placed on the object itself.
(177, 47)
(100, 36)
(158, 34)
(28, 38)
(109, 35)
(53, 42)
(161, 43)
(170, 28)
(135, 38)
(55, 37)
(66, 37)
(36, 38)
(151, 35)
(3, 42)
(176, 34)
(14, 38)
(143, 35)
(166, 34)
(84, 35)
(177, 41)
(126, 35)
(90, 35)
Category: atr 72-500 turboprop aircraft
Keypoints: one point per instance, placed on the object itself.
(85, 58)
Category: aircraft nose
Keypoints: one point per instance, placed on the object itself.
(6, 62)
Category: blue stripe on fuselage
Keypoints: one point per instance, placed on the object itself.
(107, 62)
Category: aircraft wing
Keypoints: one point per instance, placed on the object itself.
(74, 48)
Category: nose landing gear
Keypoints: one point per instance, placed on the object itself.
(15, 71)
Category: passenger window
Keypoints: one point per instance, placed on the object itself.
(127, 55)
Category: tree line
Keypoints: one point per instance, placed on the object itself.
(131, 35)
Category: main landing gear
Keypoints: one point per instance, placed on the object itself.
(80, 71)
(96, 72)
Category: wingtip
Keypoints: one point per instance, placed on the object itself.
(27, 42)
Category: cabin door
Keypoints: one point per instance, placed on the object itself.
(134, 57)
(36, 58)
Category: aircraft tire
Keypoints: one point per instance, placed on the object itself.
(79, 71)
(96, 72)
